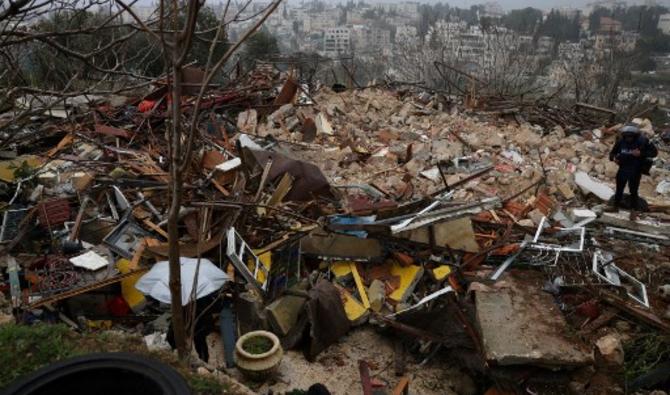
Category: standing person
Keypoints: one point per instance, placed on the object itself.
(633, 153)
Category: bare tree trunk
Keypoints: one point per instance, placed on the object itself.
(173, 217)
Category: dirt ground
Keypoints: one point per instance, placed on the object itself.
(337, 369)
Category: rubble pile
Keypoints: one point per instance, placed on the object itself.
(459, 233)
(407, 148)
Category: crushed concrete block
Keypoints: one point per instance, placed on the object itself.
(495, 140)
(599, 168)
(611, 350)
(589, 185)
(432, 174)
(414, 166)
(405, 111)
(558, 131)
(81, 180)
(377, 295)
(282, 112)
(247, 121)
(566, 191)
(292, 123)
(527, 138)
(536, 216)
(283, 313)
(446, 150)
(611, 169)
(566, 152)
(527, 222)
(586, 165)
(323, 125)
(578, 215)
(645, 126)
(48, 178)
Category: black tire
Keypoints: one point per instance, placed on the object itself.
(102, 374)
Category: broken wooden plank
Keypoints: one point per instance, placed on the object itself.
(82, 290)
(112, 131)
(602, 320)
(402, 388)
(366, 382)
(645, 316)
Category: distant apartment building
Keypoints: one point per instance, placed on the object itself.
(370, 39)
(664, 23)
(322, 21)
(336, 41)
(624, 41)
(408, 9)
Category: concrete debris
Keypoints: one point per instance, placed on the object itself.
(522, 324)
(247, 121)
(589, 185)
(611, 350)
(327, 210)
(323, 125)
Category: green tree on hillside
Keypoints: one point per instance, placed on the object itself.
(524, 21)
(261, 46)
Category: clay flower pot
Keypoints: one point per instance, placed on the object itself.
(258, 366)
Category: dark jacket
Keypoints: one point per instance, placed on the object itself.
(622, 151)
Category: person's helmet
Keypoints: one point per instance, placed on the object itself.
(629, 128)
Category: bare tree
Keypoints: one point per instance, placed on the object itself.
(103, 57)
(176, 39)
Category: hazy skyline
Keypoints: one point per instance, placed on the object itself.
(509, 4)
(542, 4)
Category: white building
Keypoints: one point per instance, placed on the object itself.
(370, 39)
(321, 21)
(336, 41)
(407, 9)
(664, 23)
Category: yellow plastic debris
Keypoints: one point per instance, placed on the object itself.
(9, 167)
(340, 269)
(359, 285)
(131, 295)
(409, 277)
(354, 309)
(441, 272)
(266, 260)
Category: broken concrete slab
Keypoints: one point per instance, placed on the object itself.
(590, 185)
(323, 125)
(283, 313)
(520, 324)
(611, 350)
